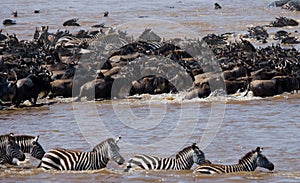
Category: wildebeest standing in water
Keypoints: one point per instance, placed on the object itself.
(99, 88)
(71, 22)
(30, 87)
(152, 85)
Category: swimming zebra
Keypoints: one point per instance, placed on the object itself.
(184, 160)
(152, 46)
(249, 162)
(71, 41)
(112, 40)
(9, 149)
(64, 159)
(29, 144)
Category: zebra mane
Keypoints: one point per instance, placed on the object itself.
(103, 143)
(24, 137)
(6, 137)
(186, 149)
(248, 155)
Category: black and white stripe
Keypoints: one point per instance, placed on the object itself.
(184, 160)
(64, 159)
(112, 40)
(152, 45)
(249, 162)
(100, 37)
(9, 149)
(29, 144)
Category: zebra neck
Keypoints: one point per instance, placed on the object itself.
(99, 160)
(183, 163)
(25, 144)
(244, 166)
(6, 159)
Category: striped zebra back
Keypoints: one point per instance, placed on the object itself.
(64, 159)
(9, 149)
(184, 160)
(247, 163)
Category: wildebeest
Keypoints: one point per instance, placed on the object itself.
(30, 87)
(217, 6)
(152, 84)
(61, 87)
(276, 85)
(200, 91)
(9, 22)
(292, 5)
(99, 88)
(71, 22)
(4, 87)
(283, 21)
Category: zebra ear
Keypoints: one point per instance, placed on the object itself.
(259, 150)
(117, 139)
(194, 146)
(36, 138)
(11, 137)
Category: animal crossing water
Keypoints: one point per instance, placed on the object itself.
(225, 127)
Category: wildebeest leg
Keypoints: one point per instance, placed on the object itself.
(34, 101)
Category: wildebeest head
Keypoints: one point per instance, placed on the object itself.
(44, 79)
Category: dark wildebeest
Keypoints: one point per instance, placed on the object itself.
(152, 85)
(71, 22)
(99, 88)
(61, 87)
(30, 87)
(275, 86)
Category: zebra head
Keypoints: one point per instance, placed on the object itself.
(37, 150)
(110, 150)
(262, 161)
(13, 149)
(114, 151)
(198, 155)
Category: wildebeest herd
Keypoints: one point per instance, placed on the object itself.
(112, 64)
(13, 147)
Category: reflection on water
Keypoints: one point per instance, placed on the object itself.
(157, 125)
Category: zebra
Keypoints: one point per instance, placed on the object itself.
(111, 40)
(29, 144)
(72, 41)
(249, 162)
(184, 160)
(9, 149)
(64, 159)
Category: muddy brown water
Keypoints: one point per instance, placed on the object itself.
(243, 124)
(225, 127)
